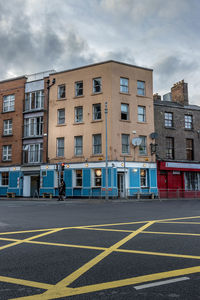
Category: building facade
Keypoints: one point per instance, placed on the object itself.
(77, 148)
(178, 142)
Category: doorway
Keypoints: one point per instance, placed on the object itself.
(35, 185)
(120, 184)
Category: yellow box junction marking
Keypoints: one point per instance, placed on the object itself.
(61, 289)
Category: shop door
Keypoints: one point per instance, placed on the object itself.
(27, 186)
(35, 184)
(120, 185)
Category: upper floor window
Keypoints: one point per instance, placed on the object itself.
(97, 86)
(141, 88)
(34, 100)
(169, 147)
(61, 91)
(97, 144)
(78, 147)
(78, 178)
(123, 85)
(189, 149)
(60, 147)
(7, 153)
(168, 119)
(97, 111)
(8, 103)
(188, 122)
(61, 116)
(79, 88)
(33, 126)
(124, 111)
(141, 114)
(78, 114)
(143, 146)
(4, 176)
(7, 127)
(32, 153)
(125, 144)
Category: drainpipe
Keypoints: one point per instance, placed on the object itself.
(48, 92)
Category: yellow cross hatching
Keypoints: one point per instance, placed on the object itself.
(62, 289)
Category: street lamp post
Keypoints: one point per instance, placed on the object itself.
(106, 113)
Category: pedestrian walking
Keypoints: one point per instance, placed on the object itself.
(61, 191)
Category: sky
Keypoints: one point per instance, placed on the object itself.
(40, 35)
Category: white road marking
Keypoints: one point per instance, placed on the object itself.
(145, 286)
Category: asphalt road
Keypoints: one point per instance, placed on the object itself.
(115, 250)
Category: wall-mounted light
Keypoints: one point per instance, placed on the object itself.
(144, 165)
(14, 169)
(47, 167)
(86, 165)
(67, 166)
(98, 172)
(135, 170)
(122, 164)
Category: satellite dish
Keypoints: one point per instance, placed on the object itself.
(153, 135)
(136, 141)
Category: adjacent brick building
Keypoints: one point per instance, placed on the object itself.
(177, 124)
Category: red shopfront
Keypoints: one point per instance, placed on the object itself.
(177, 179)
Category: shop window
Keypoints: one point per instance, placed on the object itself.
(5, 178)
(78, 178)
(97, 178)
(192, 181)
(143, 178)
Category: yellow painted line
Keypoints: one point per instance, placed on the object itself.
(67, 245)
(106, 229)
(29, 239)
(158, 253)
(23, 282)
(173, 219)
(172, 233)
(66, 292)
(116, 224)
(174, 222)
(8, 239)
(72, 277)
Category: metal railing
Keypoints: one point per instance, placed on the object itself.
(178, 194)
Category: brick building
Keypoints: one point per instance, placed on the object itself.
(77, 131)
(177, 124)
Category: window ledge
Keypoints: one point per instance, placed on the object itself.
(126, 121)
(128, 94)
(7, 160)
(140, 122)
(96, 121)
(168, 127)
(125, 155)
(97, 155)
(189, 129)
(61, 99)
(78, 156)
(7, 135)
(76, 97)
(93, 94)
(6, 112)
(141, 96)
(61, 125)
(34, 110)
(77, 187)
(78, 123)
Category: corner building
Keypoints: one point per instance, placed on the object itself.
(77, 131)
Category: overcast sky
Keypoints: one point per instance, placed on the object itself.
(39, 35)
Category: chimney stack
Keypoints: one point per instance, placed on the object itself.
(156, 97)
(179, 92)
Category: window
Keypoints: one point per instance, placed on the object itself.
(141, 88)
(97, 111)
(8, 103)
(97, 85)
(7, 153)
(32, 153)
(34, 100)
(60, 147)
(141, 114)
(192, 181)
(168, 119)
(78, 143)
(61, 91)
(78, 114)
(124, 111)
(7, 127)
(143, 178)
(96, 143)
(123, 85)
(79, 88)
(61, 116)
(189, 149)
(33, 127)
(4, 178)
(170, 147)
(125, 144)
(97, 177)
(188, 122)
(78, 177)
(143, 146)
